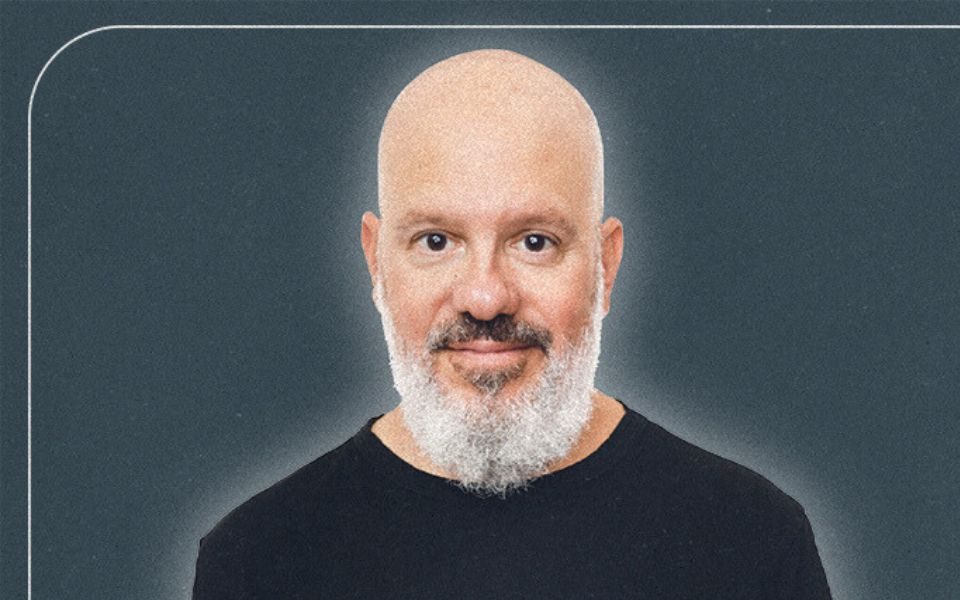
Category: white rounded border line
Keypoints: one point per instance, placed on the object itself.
(59, 51)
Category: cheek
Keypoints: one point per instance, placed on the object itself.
(415, 300)
(564, 305)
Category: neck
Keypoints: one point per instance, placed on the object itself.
(392, 430)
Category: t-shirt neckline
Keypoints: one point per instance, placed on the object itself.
(390, 469)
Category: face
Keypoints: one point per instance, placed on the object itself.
(490, 267)
(487, 253)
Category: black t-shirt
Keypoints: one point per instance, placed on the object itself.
(645, 516)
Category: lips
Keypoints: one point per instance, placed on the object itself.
(488, 354)
(487, 347)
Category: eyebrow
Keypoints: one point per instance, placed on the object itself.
(415, 219)
(547, 218)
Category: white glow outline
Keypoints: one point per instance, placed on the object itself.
(320, 27)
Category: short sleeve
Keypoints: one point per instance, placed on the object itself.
(798, 572)
(219, 573)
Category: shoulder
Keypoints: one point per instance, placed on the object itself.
(703, 482)
(269, 541)
(722, 514)
(314, 489)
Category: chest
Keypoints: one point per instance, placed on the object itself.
(613, 549)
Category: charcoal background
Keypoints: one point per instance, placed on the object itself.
(201, 315)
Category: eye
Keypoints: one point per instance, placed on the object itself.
(435, 242)
(536, 242)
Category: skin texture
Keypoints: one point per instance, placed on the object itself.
(484, 150)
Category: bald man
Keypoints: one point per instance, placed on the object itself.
(503, 472)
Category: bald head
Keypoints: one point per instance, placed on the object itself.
(485, 115)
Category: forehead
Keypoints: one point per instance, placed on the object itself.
(489, 172)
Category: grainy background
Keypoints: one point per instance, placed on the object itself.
(202, 323)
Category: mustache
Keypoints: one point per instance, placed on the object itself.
(502, 328)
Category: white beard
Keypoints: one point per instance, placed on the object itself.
(491, 444)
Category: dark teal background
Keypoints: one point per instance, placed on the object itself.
(202, 323)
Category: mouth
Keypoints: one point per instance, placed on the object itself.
(488, 354)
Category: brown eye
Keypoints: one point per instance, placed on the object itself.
(435, 241)
(535, 242)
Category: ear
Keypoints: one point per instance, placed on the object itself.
(369, 233)
(611, 248)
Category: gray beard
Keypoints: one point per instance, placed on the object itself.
(494, 445)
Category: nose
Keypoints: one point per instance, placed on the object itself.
(484, 289)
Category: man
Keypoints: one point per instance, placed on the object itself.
(503, 473)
